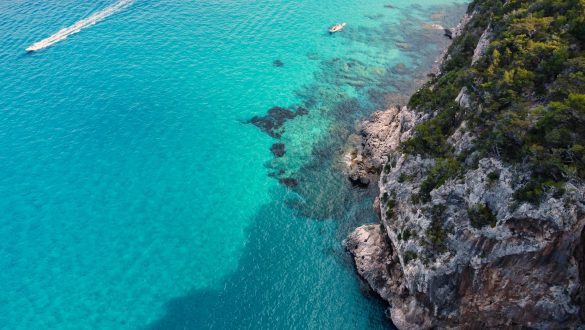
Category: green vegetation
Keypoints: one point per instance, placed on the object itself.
(430, 137)
(493, 176)
(407, 234)
(385, 197)
(408, 256)
(481, 215)
(436, 234)
(437, 175)
(527, 93)
(406, 177)
(387, 168)
(390, 204)
(535, 189)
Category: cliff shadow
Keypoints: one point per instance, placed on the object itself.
(292, 274)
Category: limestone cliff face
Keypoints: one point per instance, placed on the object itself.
(468, 255)
(517, 264)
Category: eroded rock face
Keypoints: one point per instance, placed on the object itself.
(375, 261)
(521, 271)
(437, 268)
(439, 264)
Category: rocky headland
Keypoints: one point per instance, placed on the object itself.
(465, 239)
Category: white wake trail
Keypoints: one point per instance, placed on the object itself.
(79, 25)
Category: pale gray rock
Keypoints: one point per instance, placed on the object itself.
(461, 139)
(482, 45)
(374, 260)
(463, 98)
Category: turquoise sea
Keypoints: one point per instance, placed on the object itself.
(137, 187)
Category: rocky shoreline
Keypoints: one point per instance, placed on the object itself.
(494, 263)
(383, 131)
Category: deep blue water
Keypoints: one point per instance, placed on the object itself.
(134, 194)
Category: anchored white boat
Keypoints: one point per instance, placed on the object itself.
(337, 27)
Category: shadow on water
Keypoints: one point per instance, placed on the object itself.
(294, 272)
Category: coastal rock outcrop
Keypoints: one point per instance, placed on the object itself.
(378, 136)
(375, 260)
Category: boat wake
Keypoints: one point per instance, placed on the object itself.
(79, 25)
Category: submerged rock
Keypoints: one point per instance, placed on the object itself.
(448, 33)
(400, 68)
(375, 16)
(359, 181)
(273, 122)
(438, 15)
(433, 26)
(289, 182)
(278, 149)
(313, 56)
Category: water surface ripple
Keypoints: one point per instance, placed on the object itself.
(133, 192)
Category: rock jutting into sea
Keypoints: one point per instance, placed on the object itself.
(376, 138)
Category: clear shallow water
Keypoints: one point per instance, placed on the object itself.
(134, 195)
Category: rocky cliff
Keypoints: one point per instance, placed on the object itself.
(457, 247)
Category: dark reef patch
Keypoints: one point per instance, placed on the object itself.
(277, 173)
(272, 123)
(375, 16)
(289, 182)
(323, 188)
(400, 68)
(278, 149)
